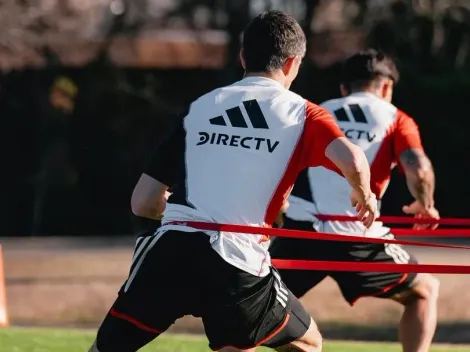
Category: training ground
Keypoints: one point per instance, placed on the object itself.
(70, 283)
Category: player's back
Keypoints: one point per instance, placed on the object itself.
(370, 123)
(240, 141)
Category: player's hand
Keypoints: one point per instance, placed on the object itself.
(420, 212)
(366, 207)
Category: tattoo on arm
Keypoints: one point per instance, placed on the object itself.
(419, 176)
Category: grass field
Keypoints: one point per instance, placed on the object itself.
(48, 340)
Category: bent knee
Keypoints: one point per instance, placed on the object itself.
(426, 287)
(311, 341)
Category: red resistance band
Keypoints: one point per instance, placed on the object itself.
(431, 233)
(335, 265)
(268, 231)
(398, 220)
(370, 267)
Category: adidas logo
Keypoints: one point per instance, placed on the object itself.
(236, 119)
(356, 111)
(358, 117)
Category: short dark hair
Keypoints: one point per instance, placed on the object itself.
(367, 66)
(270, 39)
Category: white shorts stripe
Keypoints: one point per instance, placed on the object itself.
(139, 239)
(277, 276)
(281, 300)
(140, 245)
(283, 289)
(282, 295)
(396, 252)
(154, 238)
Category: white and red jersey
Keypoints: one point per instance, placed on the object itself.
(383, 132)
(242, 148)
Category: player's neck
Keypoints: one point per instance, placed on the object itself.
(276, 76)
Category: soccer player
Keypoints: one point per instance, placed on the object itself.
(388, 137)
(233, 159)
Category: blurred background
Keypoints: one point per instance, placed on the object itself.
(88, 87)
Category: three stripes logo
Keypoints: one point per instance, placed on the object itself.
(143, 245)
(282, 295)
(356, 111)
(358, 117)
(237, 119)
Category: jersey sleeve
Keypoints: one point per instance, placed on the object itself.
(165, 163)
(320, 130)
(406, 134)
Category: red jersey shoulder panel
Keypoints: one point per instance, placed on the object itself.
(403, 134)
(319, 131)
(406, 134)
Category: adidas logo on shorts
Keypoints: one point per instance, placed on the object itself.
(282, 295)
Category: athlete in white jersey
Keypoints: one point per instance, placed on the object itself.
(388, 137)
(232, 159)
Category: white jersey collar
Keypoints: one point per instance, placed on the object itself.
(364, 94)
(261, 80)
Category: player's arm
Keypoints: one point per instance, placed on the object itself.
(331, 149)
(353, 164)
(417, 168)
(419, 176)
(148, 198)
(151, 192)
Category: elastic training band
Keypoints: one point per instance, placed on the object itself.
(267, 231)
(335, 265)
(398, 220)
(370, 267)
(431, 233)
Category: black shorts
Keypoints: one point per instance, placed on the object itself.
(178, 274)
(353, 285)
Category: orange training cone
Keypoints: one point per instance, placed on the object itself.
(3, 294)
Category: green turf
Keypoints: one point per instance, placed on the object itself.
(45, 340)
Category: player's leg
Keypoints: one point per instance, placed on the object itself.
(299, 282)
(249, 311)
(418, 322)
(417, 293)
(286, 338)
(311, 341)
(122, 334)
(153, 296)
